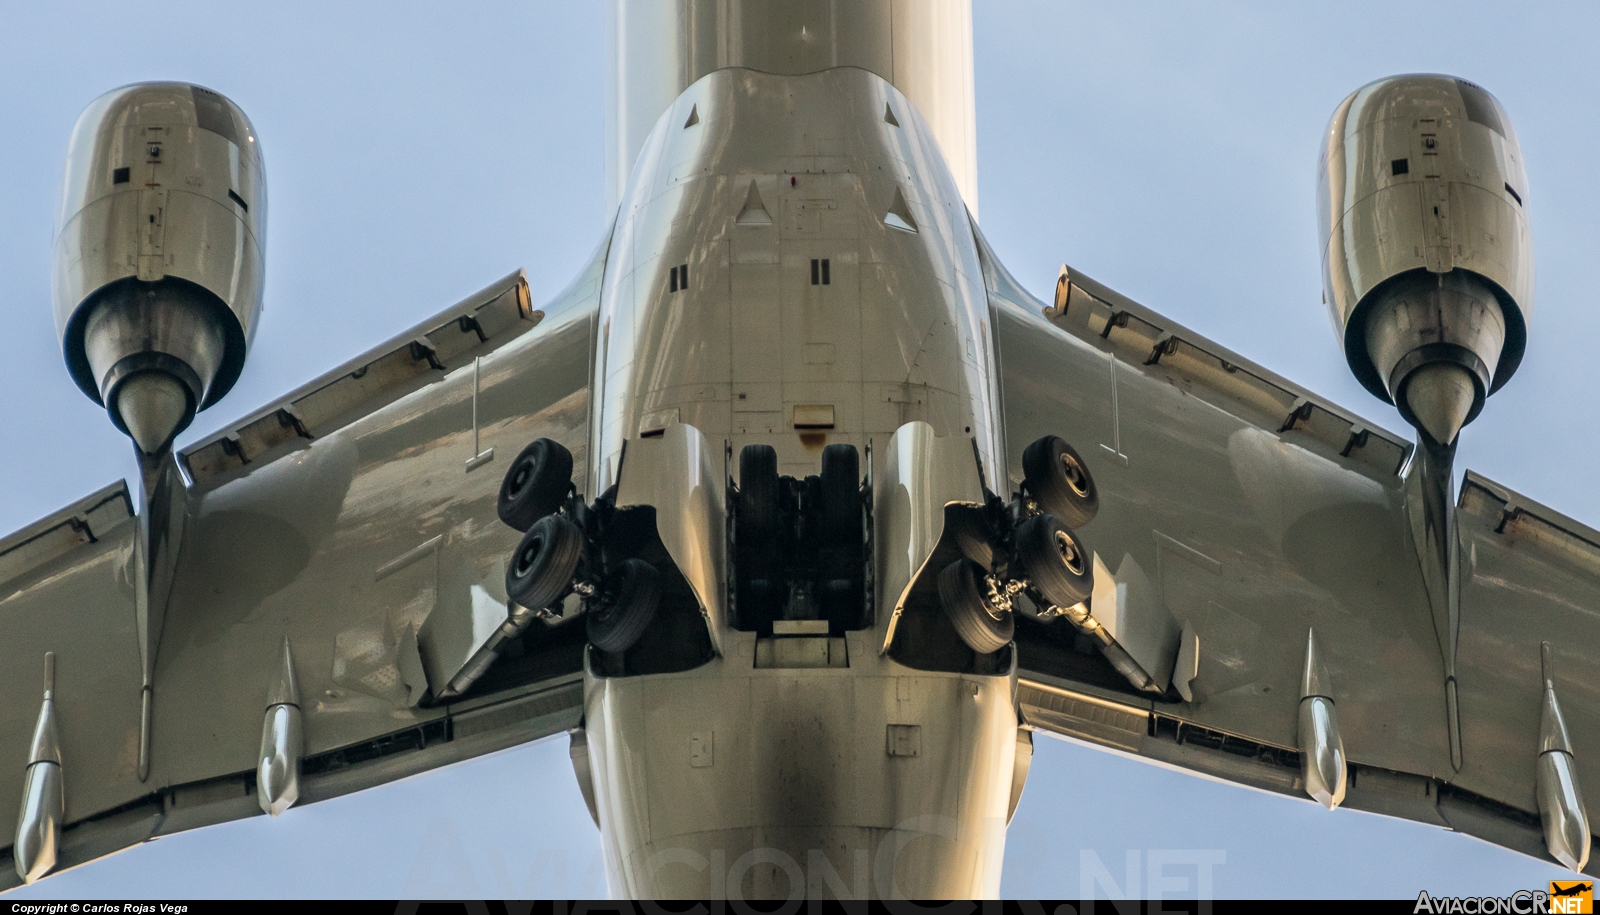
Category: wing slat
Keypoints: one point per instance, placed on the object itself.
(475, 326)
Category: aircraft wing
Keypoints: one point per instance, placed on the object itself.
(1238, 514)
(341, 519)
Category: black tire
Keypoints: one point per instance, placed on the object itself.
(971, 534)
(979, 624)
(544, 563)
(1059, 481)
(617, 625)
(841, 495)
(758, 497)
(535, 484)
(1055, 560)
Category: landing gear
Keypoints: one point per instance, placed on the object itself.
(1025, 547)
(542, 568)
(841, 548)
(799, 544)
(536, 484)
(570, 546)
(1054, 559)
(617, 623)
(757, 518)
(971, 533)
(1058, 480)
(840, 490)
(982, 625)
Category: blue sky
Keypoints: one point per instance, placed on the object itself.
(418, 151)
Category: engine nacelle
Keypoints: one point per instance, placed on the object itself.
(159, 254)
(1427, 256)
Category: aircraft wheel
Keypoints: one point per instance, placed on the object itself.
(535, 484)
(984, 628)
(841, 494)
(757, 519)
(971, 535)
(545, 562)
(1060, 482)
(1053, 557)
(618, 624)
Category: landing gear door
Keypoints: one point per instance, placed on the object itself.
(922, 474)
(679, 475)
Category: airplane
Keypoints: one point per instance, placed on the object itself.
(1572, 889)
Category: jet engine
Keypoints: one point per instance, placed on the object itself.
(1427, 258)
(158, 261)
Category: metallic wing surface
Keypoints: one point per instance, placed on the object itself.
(335, 522)
(810, 466)
(1239, 516)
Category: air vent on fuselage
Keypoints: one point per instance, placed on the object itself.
(754, 212)
(899, 215)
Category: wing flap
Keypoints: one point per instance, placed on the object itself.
(460, 735)
(68, 590)
(1528, 575)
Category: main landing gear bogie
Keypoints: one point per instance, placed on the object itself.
(562, 552)
(1028, 546)
(799, 545)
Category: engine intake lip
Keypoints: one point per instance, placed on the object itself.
(1430, 354)
(234, 343)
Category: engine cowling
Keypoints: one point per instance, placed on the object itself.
(159, 254)
(1427, 255)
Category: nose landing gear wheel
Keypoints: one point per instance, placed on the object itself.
(1058, 479)
(1061, 569)
(980, 624)
(535, 484)
(617, 625)
(545, 562)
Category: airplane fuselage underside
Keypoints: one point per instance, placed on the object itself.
(793, 266)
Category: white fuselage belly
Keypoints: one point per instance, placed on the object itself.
(770, 777)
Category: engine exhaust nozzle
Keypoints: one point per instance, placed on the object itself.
(1434, 339)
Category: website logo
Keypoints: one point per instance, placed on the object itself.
(1572, 897)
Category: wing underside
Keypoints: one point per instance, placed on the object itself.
(339, 519)
(1244, 513)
